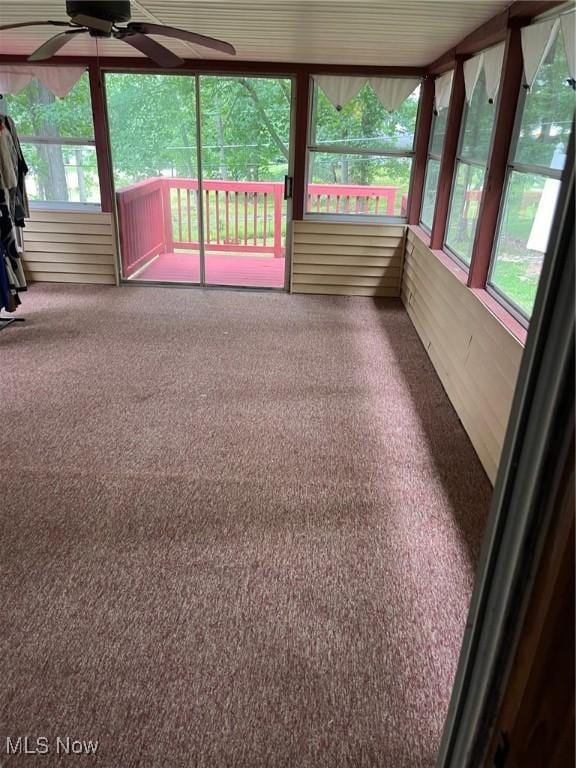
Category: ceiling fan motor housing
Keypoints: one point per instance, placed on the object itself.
(108, 10)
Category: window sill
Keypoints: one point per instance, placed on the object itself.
(42, 205)
(447, 261)
(500, 312)
(355, 218)
(421, 232)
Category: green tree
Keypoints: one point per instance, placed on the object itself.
(245, 131)
(245, 127)
(363, 124)
(37, 112)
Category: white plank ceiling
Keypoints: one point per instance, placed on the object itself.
(369, 32)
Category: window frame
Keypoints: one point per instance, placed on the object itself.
(432, 156)
(62, 141)
(459, 159)
(63, 205)
(550, 173)
(312, 147)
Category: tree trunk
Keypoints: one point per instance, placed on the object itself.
(265, 119)
(189, 153)
(345, 171)
(54, 181)
(286, 90)
(364, 164)
(81, 175)
(223, 169)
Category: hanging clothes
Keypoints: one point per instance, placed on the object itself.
(14, 209)
(21, 206)
(9, 298)
(8, 165)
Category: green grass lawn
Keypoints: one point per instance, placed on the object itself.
(511, 277)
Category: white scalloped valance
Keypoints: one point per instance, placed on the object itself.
(538, 39)
(490, 61)
(340, 90)
(58, 80)
(493, 60)
(391, 91)
(442, 90)
(472, 69)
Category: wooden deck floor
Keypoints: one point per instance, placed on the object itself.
(222, 269)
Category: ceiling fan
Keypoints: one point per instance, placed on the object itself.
(100, 18)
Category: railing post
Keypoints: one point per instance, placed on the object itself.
(278, 201)
(167, 215)
(123, 225)
(158, 214)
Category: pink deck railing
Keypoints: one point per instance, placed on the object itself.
(159, 215)
(241, 216)
(351, 198)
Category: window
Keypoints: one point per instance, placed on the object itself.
(471, 162)
(437, 134)
(533, 181)
(360, 154)
(57, 137)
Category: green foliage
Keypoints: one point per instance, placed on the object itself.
(545, 127)
(58, 172)
(245, 130)
(478, 124)
(36, 111)
(517, 267)
(517, 283)
(464, 209)
(363, 124)
(245, 127)
(152, 122)
(548, 111)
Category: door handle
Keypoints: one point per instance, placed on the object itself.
(288, 181)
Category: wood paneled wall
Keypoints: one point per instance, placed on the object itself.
(347, 259)
(70, 247)
(475, 356)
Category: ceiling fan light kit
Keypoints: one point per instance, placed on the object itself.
(100, 18)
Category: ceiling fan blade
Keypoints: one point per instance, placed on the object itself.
(182, 34)
(35, 24)
(100, 25)
(158, 53)
(52, 46)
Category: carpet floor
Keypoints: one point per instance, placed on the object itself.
(238, 530)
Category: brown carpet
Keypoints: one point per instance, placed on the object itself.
(238, 529)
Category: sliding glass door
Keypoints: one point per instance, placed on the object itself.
(199, 166)
(245, 139)
(154, 144)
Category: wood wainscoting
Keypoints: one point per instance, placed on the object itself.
(476, 357)
(347, 259)
(70, 247)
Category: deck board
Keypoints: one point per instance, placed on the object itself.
(234, 270)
